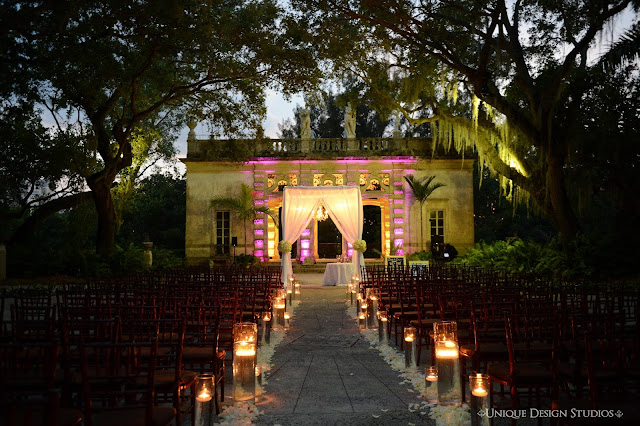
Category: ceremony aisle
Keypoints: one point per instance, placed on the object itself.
(324, 371)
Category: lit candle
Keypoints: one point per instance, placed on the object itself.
(447, 353)
(245, 350)
(408, 339)
(479, 391)
(449, 344)
(204, 396)
(287, 315)
(432, 378)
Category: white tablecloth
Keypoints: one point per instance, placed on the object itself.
(338, 274)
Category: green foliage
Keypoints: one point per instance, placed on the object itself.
(582, 257)
(241, 206)
(421, 255)
(246, 260)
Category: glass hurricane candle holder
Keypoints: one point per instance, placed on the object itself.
(245, 335)
(265, 328)
(445, 336)
(479, 385)
(431, 381)
(410, 347)
(287, 320)
(204, 400)
(362, 319)
(350, 292)
(278, 313)
(373, 304)
(258, 381)
(297, 289)
(383, 328)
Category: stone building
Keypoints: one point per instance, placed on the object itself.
(376, 165)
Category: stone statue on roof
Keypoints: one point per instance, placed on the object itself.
(349, 122)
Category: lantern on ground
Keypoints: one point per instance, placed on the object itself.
(265, 328)
(350, 291)
(245, 336)
(445, 336)
(278, 313)
(431, 381)
(479, 386)
(410, 347)
(383, 328)
(373, 306)
(205, 392)
(287, 320)
(297, 289)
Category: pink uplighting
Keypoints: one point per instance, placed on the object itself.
(398, 242)
(400, 252)
(398, 231)
(261, 202)
(397, 191)
(398, 220)
(304, 253)
(258, 184)
(258, 243)
(398, 211)
(349, 245)
(258, 232)
(304, 244)
(306, 232)
(258, 221)
(350, 253)
(397, 183)
(398, 201)
(258, 253)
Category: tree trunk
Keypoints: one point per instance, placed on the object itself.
(563, 215)
(106, 216)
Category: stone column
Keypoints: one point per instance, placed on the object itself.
(3, 262)
(147, 257)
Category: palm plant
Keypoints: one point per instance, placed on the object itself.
(241, 207)
(422, 189)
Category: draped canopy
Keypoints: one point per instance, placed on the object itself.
(343, 204)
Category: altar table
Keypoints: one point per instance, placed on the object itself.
(338, 274)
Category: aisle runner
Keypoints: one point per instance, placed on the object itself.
(444, 416)
(245, 413)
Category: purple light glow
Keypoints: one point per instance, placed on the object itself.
(350, 253)
(398, 231)
(258, 184)
(398, 211)
(398, 242)
(258, 243)
(306, 232)
(398, 191)
(258, 221)
(397, 183)
(304, 253)
(398, 201)
(261, 202)
(349, 245)
(304, 244)
(398, 220)
(258, 253)
(269, 171)
(258, 232)
(400, 252)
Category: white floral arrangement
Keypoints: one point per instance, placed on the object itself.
(360, 246)
(284, 246)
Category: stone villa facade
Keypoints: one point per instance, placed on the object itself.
(376, 165)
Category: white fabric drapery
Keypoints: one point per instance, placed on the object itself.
(343, 204)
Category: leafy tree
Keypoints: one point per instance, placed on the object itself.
(450, 60)
(157, 211)
(38, 169)
(327, 119)
(103, 68)
(422, 189)
(242, 207)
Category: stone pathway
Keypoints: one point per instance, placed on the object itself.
(326, 374)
